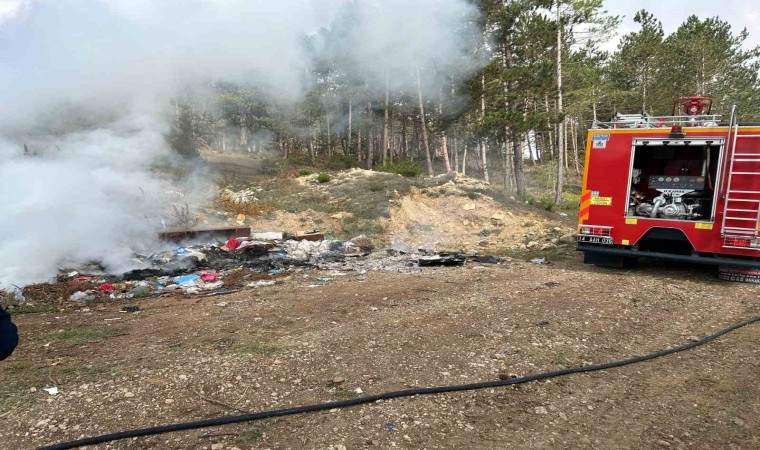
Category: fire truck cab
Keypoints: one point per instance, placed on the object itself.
(684, 187)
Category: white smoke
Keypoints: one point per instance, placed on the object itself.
(94, 192)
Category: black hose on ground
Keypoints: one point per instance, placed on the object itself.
(387, 395)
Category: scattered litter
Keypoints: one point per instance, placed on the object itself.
(205, 276)
(267, 236)
(51, 390)
(232, 244)
(112, 318)
(229, 291)
(185, 279)
(443, 259)
(222, 304)
(486, 259)
(261, 283)
(312, 235)
(216, 261)
(130, 309)
(390, 426)
(539, 261)
(78, 296)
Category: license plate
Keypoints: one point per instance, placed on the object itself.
(604, 240)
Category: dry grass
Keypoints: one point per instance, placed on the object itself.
(54, 293)
(252, 208)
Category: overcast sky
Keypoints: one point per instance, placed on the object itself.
(739, 13)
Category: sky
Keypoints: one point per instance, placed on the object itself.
(739, 13)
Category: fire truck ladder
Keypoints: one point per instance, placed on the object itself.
(741, 206)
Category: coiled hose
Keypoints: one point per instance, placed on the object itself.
(387, 395)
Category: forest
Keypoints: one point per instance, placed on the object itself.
(535, 79)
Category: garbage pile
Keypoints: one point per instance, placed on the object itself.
(249, 262)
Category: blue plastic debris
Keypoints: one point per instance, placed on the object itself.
(390, 426)
(186, 279)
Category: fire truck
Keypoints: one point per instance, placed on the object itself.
(684, 187)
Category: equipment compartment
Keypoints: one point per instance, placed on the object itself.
(674, 179)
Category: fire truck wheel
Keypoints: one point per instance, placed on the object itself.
(607, 260)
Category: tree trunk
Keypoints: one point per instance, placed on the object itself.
(566, 141)
(359, 146)
(404, 138)
(456, 155)
(574, 133)
(370, 156)
(243, 137)
(483, 148)
(551, 135)
(561, 130)
(385, 121)
(517, 151)
(329, 142)
(464, 160)
(423, 127)
(445, 144)
(444, 139)
(507, 168)
(312, 150)
(350, 124)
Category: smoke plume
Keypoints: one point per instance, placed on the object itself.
(86, 84)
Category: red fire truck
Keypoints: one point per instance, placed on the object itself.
(684, 187)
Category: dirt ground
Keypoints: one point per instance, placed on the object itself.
(285, 345)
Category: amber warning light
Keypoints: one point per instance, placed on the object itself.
(676, 132)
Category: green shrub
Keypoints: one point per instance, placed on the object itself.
(341, 162)
(324, 177)
(376, 185)
(304, 172)
(269, 165)
(407, 168)
(548, 204)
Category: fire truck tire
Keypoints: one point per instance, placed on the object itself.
(607, 260)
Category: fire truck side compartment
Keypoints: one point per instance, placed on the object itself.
(695, 205)
(673, 180)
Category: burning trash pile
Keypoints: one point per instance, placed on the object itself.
(201, 266)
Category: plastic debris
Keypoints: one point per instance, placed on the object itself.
(51, 390)
(267, 236)
(130, 309)
(186, 279)
(205, 276)
(539, 261)
(261, 283)
(106, 287)
(390, 426)
(78, 296)
(443, 259)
